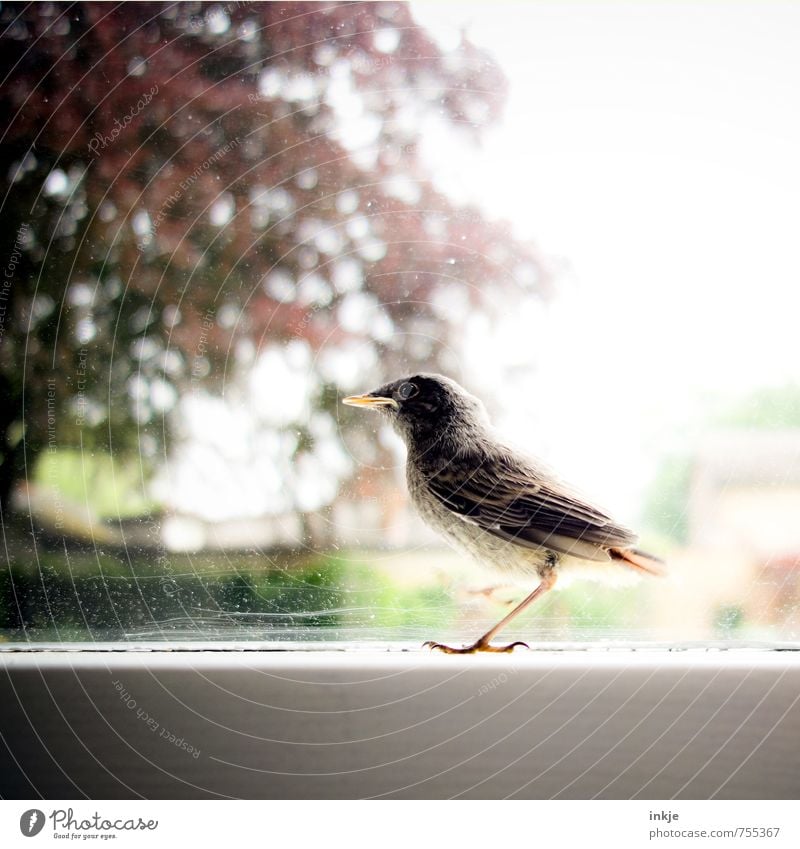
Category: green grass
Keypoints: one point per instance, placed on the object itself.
(107, 486)
(88, 596)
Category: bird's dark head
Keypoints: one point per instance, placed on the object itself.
(424, 406)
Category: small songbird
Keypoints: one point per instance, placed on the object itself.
(492, 502)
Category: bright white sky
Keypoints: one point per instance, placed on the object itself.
(655, 147)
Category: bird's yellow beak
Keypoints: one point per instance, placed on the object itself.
(369, 401)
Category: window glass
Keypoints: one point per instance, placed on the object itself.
(220, 220)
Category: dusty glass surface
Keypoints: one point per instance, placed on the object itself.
(219, 220)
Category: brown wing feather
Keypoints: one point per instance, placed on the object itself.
(514, 499)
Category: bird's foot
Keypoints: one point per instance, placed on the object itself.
(480, 645)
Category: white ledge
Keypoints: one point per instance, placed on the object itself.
(221, 722)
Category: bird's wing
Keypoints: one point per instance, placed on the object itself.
(514, 499)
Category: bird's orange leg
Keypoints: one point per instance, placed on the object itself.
(484, 642)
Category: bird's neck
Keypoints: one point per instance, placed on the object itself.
(442, 440)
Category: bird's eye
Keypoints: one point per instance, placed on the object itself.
(406, 391)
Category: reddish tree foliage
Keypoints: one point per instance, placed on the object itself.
(189, 176)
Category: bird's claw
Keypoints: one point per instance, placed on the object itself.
(474, 648)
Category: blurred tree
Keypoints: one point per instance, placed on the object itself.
(186, 184)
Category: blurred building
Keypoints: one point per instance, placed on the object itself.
(740, 569)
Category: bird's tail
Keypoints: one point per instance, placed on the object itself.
(639, 560)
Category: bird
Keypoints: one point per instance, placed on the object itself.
(492, 501)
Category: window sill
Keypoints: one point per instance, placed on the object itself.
(221, 721)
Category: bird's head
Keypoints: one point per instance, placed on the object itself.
(424, 406)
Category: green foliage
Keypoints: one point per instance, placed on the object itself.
(108, 486)
(769, 408)
(586, 610)
(728, 620)
(665, 507)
